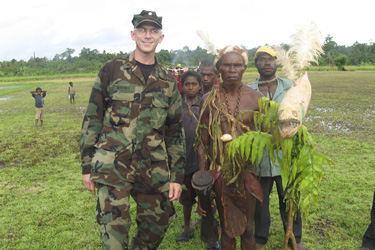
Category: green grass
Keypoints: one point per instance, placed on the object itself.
(45, 77)
(43, 204)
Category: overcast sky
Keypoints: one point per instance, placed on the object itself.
(48, 27)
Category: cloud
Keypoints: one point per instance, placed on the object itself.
(49, 27)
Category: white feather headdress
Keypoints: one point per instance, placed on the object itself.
(306, 47)
(210, 46)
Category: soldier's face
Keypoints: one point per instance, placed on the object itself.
(191, 86)
(232, 67)
(147, 37)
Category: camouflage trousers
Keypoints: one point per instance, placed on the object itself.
(154, 214)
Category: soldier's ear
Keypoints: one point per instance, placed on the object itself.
(161, 38)
(132, 34)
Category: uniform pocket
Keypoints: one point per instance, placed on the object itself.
(160, 100)
(121, 108)
(158, 113)
(103, 161)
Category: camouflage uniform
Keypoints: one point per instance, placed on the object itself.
(132, 143)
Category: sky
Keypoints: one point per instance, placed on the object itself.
(44, 28)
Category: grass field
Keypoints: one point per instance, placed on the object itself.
(43, 204)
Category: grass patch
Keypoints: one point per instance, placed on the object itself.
(43, 204)
(45, 77)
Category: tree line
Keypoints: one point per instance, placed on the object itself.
(90, 60)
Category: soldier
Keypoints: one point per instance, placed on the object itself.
(224, 103)
(132, 142)
(274, 88)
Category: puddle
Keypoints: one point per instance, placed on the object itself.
(329, 125)
(5, 98)
(9, 87)
(324, 110)
(335, 127)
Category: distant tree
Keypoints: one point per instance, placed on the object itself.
(341, 61)
(329, 49)
(371, 51)
(67, 54)
(359, 53)
(89, 54)
(164, 57)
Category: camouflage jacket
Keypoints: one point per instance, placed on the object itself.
(138, 123)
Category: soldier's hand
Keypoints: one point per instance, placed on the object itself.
(89, 184)
(175, 190)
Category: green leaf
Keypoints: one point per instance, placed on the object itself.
(255, 147)
(248, 144)
(262, 144)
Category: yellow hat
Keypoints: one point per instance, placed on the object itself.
(266, 49)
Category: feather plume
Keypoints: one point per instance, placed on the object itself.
(306, 47)
(288, 69)
(210, 46)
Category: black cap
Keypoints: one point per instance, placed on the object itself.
(147, 16)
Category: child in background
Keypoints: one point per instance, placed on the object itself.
(39, 95)
(71, 92)
(191, 85)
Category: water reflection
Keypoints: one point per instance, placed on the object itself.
(5, 98)
(9, 87)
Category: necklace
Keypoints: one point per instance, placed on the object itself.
(267, 81)
(190, 111)
(263, 83)
(237, 105)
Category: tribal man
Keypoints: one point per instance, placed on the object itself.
(227, 109)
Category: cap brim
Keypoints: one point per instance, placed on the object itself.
(150, 21)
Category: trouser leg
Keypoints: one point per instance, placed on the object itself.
(262, 217)
(297, 223)
(113, 216)
(369, 236)
(154, 214)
